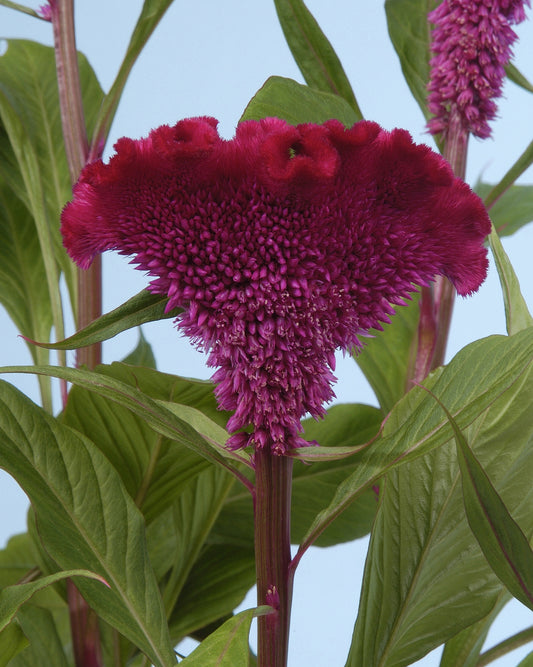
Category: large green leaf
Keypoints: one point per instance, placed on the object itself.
(517, 315)
(16, 560)
(410, 33)
(385, 358)
(227, 646)
(295, 103)
(29, 111)
(423, 558)
(86, 519)
(473, 380)
(313, 52)
(512, 210)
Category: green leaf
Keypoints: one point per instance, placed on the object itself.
(295, 103)
(12, 642)
(194, 514)
(13, 597)
(16, 560)
(227, 646)
(501, 539)
(518, 168)
(39, 626)
(23, 292)
(385, 358)
(218, 583)
(29, 111)
(160, 415)
(85, 519)
(410, 33)
(517, 315)
(151, 14)
(512, 210)
(313, 52)
(142, 355)
(517, 77)
(495, 365)
(465, 647)
(140, 309)
(423, 558)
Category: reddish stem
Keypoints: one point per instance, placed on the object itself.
(83, 621)
(272, 505)
(437, 300)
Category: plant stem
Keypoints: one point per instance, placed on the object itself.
(437, 300)
(272, 506)
(83, 621)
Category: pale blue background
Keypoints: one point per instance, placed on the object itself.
(208, 58)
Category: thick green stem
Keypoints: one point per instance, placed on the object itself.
(272, 503)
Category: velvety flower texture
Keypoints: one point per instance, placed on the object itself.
(281, 245)
(471, 45)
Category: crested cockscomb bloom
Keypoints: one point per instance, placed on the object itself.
(471, 44)
(281, 245)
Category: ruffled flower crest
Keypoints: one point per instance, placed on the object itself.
(281, 245)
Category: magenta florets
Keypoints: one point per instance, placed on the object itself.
(471, 44)
(281, 245)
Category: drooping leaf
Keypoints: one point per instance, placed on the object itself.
(13, 597)
(501, 539)
(312, 51)
(140, 309)
(151, 13)
(85, 519)
(160, 415)
(410, 33)
(512, 210)
(296, 104)
(495, 365)
(385, 358)
(227, 646)
(517, 315)
(442, 583)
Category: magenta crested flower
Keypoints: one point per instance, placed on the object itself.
(281, 245)
(471, 44)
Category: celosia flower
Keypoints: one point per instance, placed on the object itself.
(282, 245)
(471, 45)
